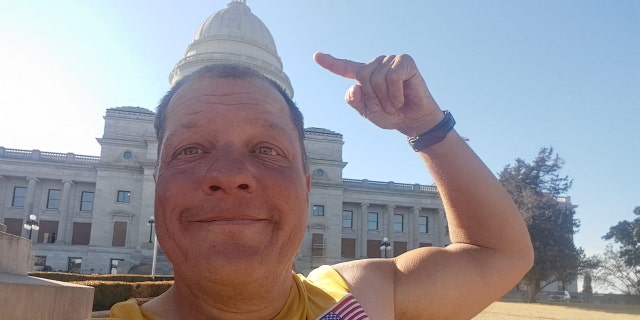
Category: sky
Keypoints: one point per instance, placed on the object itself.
(517, 76)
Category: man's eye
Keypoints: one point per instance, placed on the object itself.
(268, 151)
(188, 151)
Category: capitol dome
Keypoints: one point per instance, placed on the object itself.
(233, 35)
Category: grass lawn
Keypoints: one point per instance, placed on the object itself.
(547, 311)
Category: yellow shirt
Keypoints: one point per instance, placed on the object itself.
(323, 295)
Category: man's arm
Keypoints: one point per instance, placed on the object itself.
(490, 249)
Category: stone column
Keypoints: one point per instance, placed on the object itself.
(31, 193)
(390, 227)
(28, 204)
(444, 237)
(141, 237)
(3, 191)
(66, 216)
(364, 228)
(413, 229)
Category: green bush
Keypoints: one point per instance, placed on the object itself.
(69, 277)
(108, 293)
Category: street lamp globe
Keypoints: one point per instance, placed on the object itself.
(31, 224)
(385, 246)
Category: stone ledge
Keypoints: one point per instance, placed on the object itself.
(16, 254)
(25, 297)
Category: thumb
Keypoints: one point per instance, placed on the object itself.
(342, 67)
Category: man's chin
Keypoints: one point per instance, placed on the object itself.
(226, 261)
(232, 253)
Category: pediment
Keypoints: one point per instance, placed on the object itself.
(121, 215)
(317, 226)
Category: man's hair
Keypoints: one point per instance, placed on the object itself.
(230, 72)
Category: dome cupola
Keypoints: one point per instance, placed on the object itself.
(233, 35)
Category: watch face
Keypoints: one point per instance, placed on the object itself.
(127, 154)
(319, 172)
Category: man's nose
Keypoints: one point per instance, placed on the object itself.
(227, 174)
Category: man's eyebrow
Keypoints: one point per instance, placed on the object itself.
(260, 123)
(276, 127)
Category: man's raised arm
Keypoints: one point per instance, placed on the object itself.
(490, 250)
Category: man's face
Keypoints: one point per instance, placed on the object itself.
(231, 190)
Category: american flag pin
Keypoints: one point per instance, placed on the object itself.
(348, 308)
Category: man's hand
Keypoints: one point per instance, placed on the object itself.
(390, 92)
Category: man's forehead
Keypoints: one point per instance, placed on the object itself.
(223, 85)
(210, 86)
(196, 96)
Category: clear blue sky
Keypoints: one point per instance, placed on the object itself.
(517, 75)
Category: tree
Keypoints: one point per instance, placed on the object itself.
(587, 289)
(627, 235)
(537, 189)
(614, 273)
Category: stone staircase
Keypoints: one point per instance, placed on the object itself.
(26, 297)
(163, 265)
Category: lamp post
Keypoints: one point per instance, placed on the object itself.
(385, 246)
(151, 222)
(31, 224)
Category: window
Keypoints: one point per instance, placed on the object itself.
(348, 248)
(86, 201)
(317, 245)
(347, 219)
(373, 249)
(81, 233)
(318, 211)
(74, 264)
(53, 200)
(119, 234)
(398, 222)
(423, 224)
(124, 196)
(399, 247)
(40, 263)
(47, 232)
(373, 221)
(19, 196)
(14, 226)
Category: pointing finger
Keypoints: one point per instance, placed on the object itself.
(342, 67)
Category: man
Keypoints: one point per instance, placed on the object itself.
(232, 196)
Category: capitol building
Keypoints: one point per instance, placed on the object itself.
(94, 214)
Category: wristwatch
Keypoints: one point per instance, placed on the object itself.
(433, 135)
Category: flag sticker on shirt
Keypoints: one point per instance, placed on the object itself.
(348, 308)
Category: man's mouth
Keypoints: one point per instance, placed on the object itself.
(238, 221)
(229, 220)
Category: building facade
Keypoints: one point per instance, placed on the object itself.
(93, 212)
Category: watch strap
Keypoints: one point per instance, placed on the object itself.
(433, 135)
